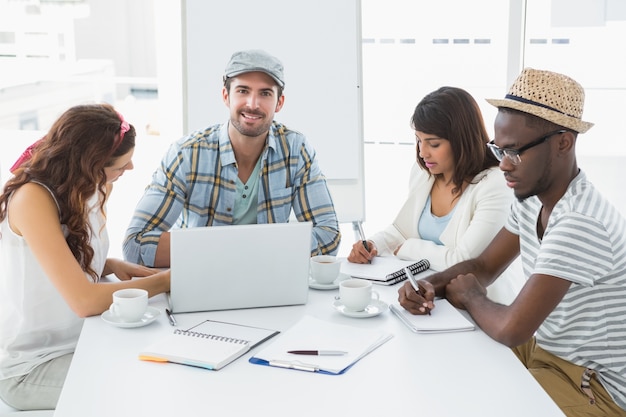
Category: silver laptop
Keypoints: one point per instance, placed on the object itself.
(241, 266)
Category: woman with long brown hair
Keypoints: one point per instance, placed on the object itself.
(53, 247)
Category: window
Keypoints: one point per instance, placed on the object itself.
(411, 48)
(97, 50)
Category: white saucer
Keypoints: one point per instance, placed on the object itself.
(332, 286)
(373, 309)
(149, 316)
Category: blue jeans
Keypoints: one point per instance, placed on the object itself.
(38, 390)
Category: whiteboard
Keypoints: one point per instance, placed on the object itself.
(319, 44)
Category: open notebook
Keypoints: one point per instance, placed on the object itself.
(210, 344)
(315, 334)
(443, 318)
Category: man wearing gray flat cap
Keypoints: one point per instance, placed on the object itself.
(255, 60)
(251, 169)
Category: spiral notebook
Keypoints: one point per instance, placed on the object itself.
(210, 344)
(384, 270)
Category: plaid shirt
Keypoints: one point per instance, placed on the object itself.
(195, 187)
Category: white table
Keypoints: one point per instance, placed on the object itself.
(439, 375)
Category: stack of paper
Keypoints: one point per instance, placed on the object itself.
(311, 333)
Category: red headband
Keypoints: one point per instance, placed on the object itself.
(28, 153)
(124, 127)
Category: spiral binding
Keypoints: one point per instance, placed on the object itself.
(418, 266)
(211, 336)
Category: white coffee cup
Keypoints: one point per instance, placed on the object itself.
(325, 268)
(356, 294)
(129, 305)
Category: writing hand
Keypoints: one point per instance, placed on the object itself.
(360, 255)
(460, 289)
(417, 302)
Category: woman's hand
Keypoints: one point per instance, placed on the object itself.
(360, 255)
(127, 270)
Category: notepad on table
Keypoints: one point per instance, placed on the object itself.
(311, 333)
(385, 270)
(443, 318)
(210, 344)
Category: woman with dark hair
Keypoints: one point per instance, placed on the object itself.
(53, 247)
(458, 199)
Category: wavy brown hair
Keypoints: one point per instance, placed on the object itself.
(452, 113)
(70, 160)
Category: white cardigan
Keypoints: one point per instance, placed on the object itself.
(480, 213)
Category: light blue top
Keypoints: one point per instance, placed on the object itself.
(246, 198)
(430, 226)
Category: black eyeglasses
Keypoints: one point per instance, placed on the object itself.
(514, 154)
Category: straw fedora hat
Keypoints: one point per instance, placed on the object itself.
(548, 95)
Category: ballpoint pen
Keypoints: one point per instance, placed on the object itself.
(363, 240)
(318, 352)
(414, 284)
(170, 317)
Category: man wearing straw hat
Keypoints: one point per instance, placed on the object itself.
(567, 323)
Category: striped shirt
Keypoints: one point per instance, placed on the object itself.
(585, 243)
(195, 186)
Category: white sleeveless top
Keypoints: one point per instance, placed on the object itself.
(36, 324)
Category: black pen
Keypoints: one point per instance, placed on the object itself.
(416, 287)
(318, 352)
(170, 317)
(363, 240)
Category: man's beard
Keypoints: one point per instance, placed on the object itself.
(251, 131)
(541, 185)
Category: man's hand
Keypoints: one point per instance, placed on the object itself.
(417, 302)
(460, 289)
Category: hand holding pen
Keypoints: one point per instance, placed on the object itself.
(360, 255)
(415, 297)
(363, 250)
